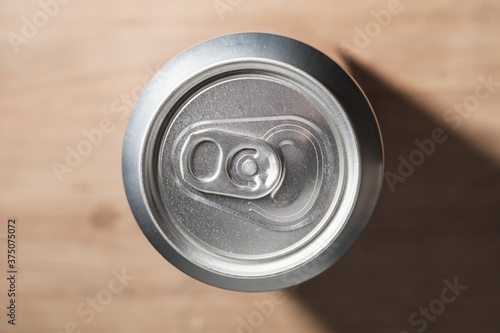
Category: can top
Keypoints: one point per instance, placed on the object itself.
(252, 162)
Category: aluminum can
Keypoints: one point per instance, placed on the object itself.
(252, 162)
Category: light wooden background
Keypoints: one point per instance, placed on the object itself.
(442, 222)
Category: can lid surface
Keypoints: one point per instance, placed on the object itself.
(252, 162)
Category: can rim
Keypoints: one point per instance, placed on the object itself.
(269, 47)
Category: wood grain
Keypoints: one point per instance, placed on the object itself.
(441, 223)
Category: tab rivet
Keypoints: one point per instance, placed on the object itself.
(249, 167)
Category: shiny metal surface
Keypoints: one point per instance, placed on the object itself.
(252, 162)
(245, 167)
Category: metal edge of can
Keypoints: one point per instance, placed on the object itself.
(264, 46)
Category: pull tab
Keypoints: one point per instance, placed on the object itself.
(246, 167)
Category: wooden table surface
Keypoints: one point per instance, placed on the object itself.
(65, 66)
